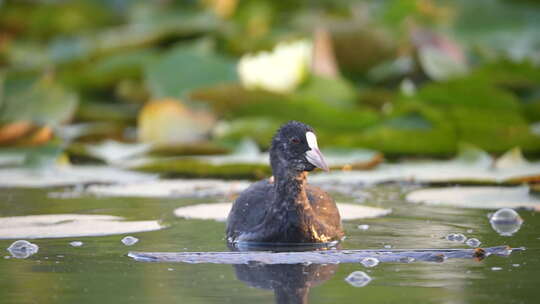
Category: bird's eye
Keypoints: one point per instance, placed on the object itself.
(295, 140)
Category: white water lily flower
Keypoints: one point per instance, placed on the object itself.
(280, 71)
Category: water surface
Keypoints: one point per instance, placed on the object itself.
(100, 271)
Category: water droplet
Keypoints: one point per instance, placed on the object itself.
(369, 262)
(496, 268)
(170, 269)
(472, 242)
(358, 279)
(506, 221)
(363, 227)
(387, 246)
(129, 240)
(470, 231)
(22, 249)
(515, 265)
(76, 243)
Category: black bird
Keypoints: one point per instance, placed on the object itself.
(284, 208)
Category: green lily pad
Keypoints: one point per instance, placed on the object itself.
(185, 68)
(471, 167)
(220, 211)
(66, 176)
(476, 197)
(45, 102)
(337, 91)
(113, 152)
(244, 163)
(70, 225)
(172, 188)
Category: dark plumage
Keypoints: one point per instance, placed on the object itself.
(285, 209)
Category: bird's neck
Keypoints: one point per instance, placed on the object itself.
(290, 189)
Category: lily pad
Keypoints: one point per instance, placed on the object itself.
(471, 167)
(172, 188)
(219, 211)
(476, 197)
(67, 175)
(185, 68)
(114, 152)
(45, 103)
(247, 162)
(70, 225)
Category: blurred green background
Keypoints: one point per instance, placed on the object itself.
(405, 78)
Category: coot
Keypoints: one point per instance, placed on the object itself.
(284, 208)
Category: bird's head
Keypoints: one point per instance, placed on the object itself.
(294, 148)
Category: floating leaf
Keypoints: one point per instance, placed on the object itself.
(511, 159)
(335, 91)
(220, 211)
(113, 152)
(246, 165)
(70, 225)
(476, 197)
(172, 188)
(45, 103)
(67, 175)
(461, 170)
(184, 68)
(111, 69)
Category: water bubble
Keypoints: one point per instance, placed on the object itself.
(363, 227)
(456, 237)
(129, 240)
(76, 243)
(472, 242)
(506, 221)
(496, 268)
(460, 238)
(369, 262)
(358, 279)
(22, 249)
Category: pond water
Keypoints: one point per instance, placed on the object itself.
(99, 271)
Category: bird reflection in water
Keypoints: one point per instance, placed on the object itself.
(291, 283)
